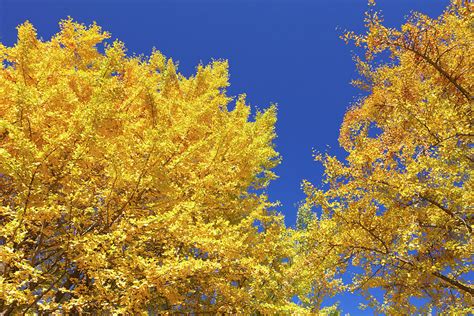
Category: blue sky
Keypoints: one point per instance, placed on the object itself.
(282, 51)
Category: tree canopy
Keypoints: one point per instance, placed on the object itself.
(400, 205)
(129, 188)
(126, 186)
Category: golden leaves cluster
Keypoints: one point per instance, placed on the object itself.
(126, 187)
(400, 205)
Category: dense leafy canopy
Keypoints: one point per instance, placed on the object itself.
(127, 188)
(400, 205)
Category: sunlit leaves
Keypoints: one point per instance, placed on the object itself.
(125, 186)
(399, 208)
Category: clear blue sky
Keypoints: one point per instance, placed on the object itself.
(282, 51)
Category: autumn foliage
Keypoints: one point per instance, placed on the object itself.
(399, 207)
(125, 186)
(128, 188)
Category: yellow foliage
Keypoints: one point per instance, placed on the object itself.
(126, 187)
(400, 206)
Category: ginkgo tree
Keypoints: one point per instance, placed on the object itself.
(399, 207)
(128, 188)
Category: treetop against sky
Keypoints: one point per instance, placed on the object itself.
(140, 180)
